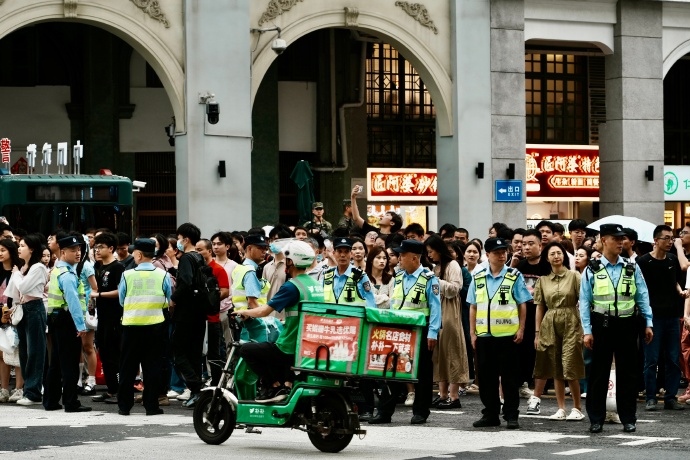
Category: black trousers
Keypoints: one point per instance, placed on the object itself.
(423, 389)
(527, 352)
(618, 339)
(499, 357)
(268, 362)
(188, 344)
(108, 339)
(141, 345)
(63, 371)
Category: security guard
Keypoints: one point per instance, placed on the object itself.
(66, 323)
(497, 298)
(144, 293)
(248, 291)
(345, 284)
(610, 289)
(318, 224)
(416, 288)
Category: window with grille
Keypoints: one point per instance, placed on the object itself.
(401, 120)
(156, 209)
(556, 99)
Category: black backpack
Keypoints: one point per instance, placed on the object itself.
(206, 288)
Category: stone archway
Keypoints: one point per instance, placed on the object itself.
(429, 66)
(678, 52)
(165, 55)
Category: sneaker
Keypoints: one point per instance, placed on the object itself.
(17, 394)
(583, 395)
(486, 421)
(436, 401)
(4, 395)
(410, 398)
(172, 394)
(612, 417)
(28, 402)
(685, 397)
(567, 391)
(89, 390)
(277, 394)
(449, 404)
(668, 405)
(473, 389)
(191, 402)
(525, 392)
(186, 394)
(559, 415)
(575, 415)
(650, 405)
(462, 391)
(163, 401)
(533, 406)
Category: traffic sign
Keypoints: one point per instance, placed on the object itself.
(508, 191)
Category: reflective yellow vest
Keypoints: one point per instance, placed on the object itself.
(497, 318)
(239, 293)
(144, 298)
(56, 298)
(615, 301)
(348, 296)
(416, 297)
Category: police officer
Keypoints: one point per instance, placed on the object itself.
(66, 323)
(345, 284)
(497, 298)
(416, 288)
(144, 293)
(610, 288)
(248, 291)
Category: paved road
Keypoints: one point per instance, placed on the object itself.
(30, 432)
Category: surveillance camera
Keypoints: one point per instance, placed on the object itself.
(278, 46)
(213, 112)
(138, 184)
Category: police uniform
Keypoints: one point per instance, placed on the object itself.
(144, 293)
(349, 288)
(609, 293)
(420, 291)
(497, 299)
(66, 304)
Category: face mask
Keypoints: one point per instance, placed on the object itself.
(274, 248)
(180, 246)
(319, 257)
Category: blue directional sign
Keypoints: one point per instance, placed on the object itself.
(509, 191)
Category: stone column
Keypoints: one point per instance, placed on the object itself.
(633, 136)
(217, 60)
(508, 104)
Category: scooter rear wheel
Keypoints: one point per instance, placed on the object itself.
(215, 431)
(332, 412)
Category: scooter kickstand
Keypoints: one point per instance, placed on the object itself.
(251, 429)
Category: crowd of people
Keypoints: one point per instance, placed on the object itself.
(509, 314)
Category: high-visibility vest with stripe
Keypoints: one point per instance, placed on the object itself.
(348, 296)
(614, 301)
(56, 298)
(239, 293)
(144, 298)
(416, 298)
(497, 316)
(310, 290)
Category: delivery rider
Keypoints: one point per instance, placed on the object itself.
(345, 284)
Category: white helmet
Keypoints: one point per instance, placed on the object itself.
(301, 253)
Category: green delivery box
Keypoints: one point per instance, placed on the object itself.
(391, 341)
(329, 337)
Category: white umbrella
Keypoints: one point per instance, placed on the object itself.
(644, 229)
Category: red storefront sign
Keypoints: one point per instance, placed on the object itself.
(562, 171)
(385, 339)
(398, 184)
(5, 149)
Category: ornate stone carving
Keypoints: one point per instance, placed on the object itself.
(71, 8)
(153, 9)
(275, 8)
(351, 16)
(419, 13)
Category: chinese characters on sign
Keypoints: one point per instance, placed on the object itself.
(562, 171)
(338, 334)
(5, 149)
(395, 184)
(384, 340)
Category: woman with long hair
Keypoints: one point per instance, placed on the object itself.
(392, 261)
(9, 258)
(458, 249)
(27, 286)
(473, 256)
(582, 256)
(450, 355)
(359, 253)
(558, 331)
(377, 270)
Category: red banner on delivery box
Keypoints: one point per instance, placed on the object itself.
(383, 340)
(338, 334)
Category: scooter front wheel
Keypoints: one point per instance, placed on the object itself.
(213, 426)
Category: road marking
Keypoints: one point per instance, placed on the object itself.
(92, 442)
(16, 427)
(447, 412)
(639, 440)
(444, 456)
(48, 447)
(576, 452)
(77, 426)
(480, 450)
(134, 438)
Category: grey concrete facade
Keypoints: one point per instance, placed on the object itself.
(633, 136)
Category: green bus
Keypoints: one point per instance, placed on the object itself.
(45, 202)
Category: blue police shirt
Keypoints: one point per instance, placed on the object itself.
(69, 285)
(614, 271)
(252, 285)
(144, 266)
(520, 292)
(363, 286)
(433, 297)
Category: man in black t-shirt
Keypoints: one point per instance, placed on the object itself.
(109, 331)
(660, 271)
